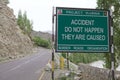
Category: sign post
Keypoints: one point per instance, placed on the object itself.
(82, 30)
(53, 45)
(112, 47)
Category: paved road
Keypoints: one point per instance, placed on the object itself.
(27, 68)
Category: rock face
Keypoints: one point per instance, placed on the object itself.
(94, 73)
(12, 40)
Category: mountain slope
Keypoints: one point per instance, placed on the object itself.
(12, 40)
(44, 35)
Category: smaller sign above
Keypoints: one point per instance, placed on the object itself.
(84, 12)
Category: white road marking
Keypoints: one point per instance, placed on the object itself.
(15, 68)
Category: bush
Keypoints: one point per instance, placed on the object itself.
(64, 55)
(41, 42)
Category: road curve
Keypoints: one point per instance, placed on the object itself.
(27, 68)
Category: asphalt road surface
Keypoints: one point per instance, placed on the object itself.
(27, 68)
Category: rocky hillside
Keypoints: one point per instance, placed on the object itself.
(12, 40)
(94, 73)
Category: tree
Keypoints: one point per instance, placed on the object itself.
(106, 4)
(24, 23)
(20, 20)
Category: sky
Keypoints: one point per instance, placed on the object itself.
(40, 11)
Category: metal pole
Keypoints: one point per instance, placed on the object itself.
(68, 61)
(112, 62)
(52, 65)
(53, 44)
(112, 47)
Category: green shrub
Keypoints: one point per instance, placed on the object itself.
(41, 42)
(64, 55)
(63, 78)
